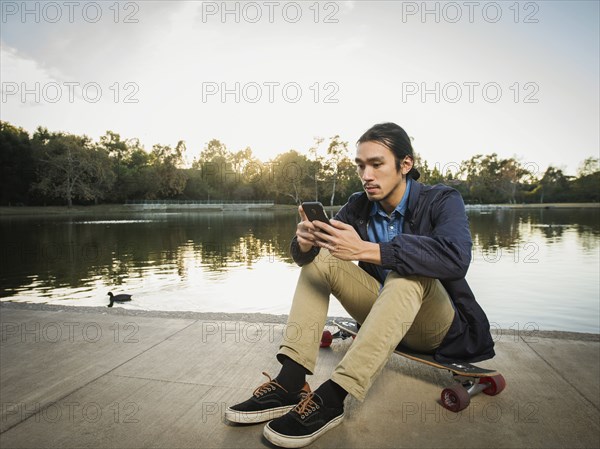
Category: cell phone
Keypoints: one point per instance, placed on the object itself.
(314, 211)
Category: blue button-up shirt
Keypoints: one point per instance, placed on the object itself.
(383, 227)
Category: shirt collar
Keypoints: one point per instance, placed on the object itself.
(400, 208)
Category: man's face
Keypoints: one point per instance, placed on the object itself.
(376, 167)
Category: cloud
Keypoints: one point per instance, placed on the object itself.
(21, 75)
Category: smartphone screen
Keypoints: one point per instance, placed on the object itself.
(314, 211)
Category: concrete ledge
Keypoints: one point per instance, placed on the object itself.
(258, 318)
(75, 377)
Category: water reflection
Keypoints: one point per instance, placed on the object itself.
(66, 252)
(227, 262)
(512, 228)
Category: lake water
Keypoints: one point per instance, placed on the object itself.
(531, 268)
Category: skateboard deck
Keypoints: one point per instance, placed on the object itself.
(469, 379)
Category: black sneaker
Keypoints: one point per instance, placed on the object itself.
(304, 423)
(269, 401)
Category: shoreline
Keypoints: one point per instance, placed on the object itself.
(114, 209)
(126, 209)
(252, 318)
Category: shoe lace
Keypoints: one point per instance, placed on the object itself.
(307, 405)
(267, 387)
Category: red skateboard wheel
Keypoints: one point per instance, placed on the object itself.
(326, 339)
(455, 398)
(497, 384)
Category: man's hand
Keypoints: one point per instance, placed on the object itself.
(343, 242)
(305, 232)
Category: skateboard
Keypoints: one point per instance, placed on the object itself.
(469, 379)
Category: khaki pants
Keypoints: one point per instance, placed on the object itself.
(415, 310)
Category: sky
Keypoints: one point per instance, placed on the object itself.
(519, 79)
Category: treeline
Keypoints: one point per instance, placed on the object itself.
(50, 168)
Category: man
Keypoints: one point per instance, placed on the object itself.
(413, 246)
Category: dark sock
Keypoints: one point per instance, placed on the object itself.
(292, 376)
(332, 394)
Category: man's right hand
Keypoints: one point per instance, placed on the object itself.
(305, 232)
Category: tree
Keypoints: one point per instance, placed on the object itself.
(586, 187)
(288, 176)
(166, 163)
(16, 165)
(493, 180)
(213, 164)
(554, 185)
(336, 152)
(474, 171)
(588, 167)
(69, 167)
(102, 178)
(510, 177)
(317, 163)
(136, 180)
(214, 151)
(430, 176)
(118, 151)
(348, 179)
(248, 172)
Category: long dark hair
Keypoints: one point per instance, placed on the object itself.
(396, 139)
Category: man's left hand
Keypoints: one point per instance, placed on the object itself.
(343, 242)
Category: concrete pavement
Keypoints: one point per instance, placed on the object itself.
(113, 378)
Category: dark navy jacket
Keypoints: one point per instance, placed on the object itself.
(435, 242)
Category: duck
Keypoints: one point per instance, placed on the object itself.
(118, 298)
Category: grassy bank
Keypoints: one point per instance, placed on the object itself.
(106, 209)
(102, 209)
(536, 206)
(63, 210)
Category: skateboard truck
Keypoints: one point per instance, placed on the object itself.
(458, 396)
